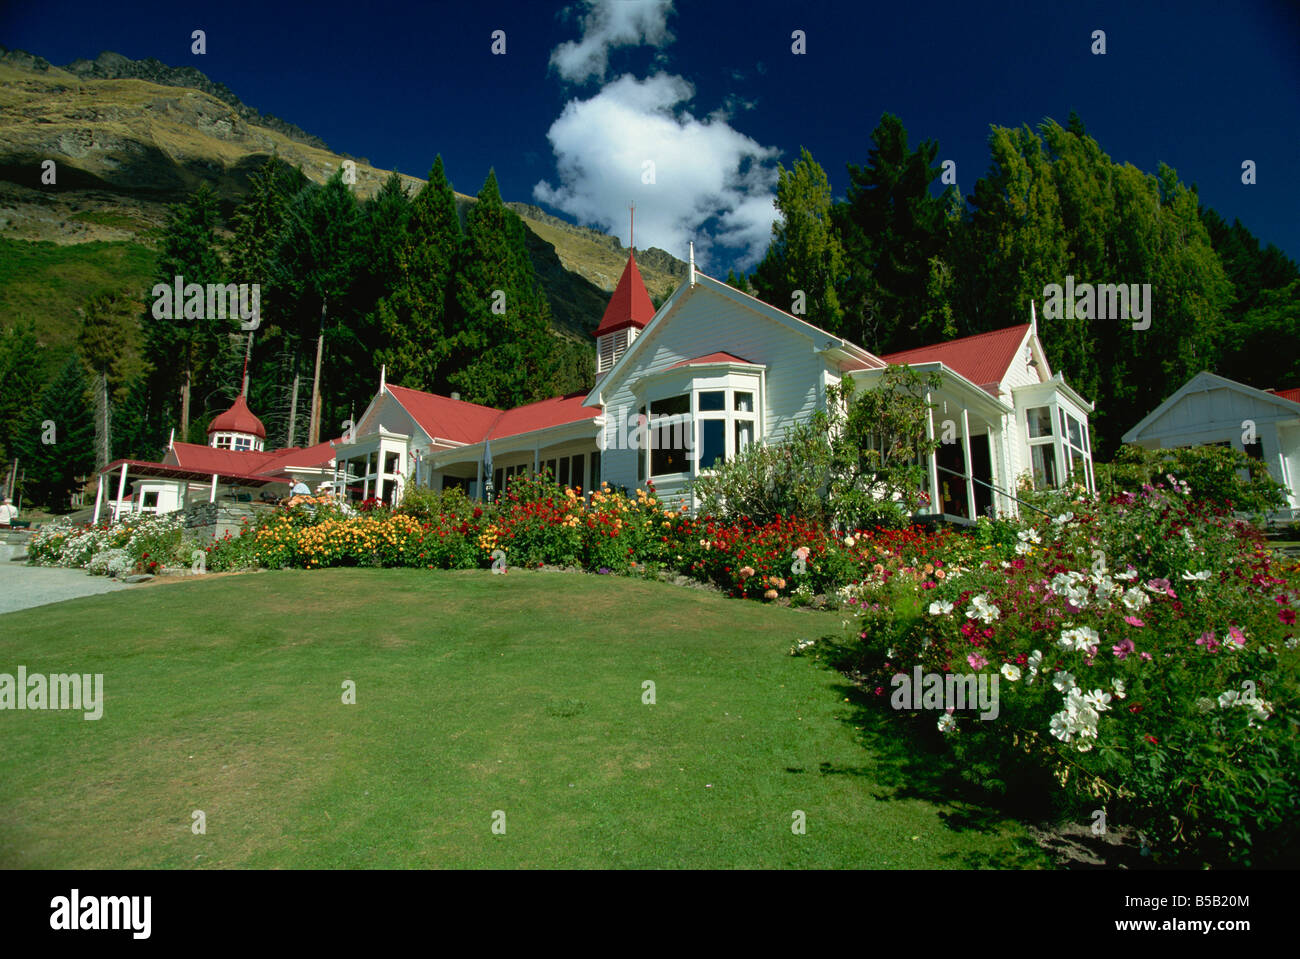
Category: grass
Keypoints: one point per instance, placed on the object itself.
(474, 694)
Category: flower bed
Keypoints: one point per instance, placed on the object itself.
(138, 545)
(1145, 653)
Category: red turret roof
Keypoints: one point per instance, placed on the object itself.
(238, 419)
(630, 303)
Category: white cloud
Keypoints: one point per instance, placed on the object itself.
(708, 175)
(608, 24)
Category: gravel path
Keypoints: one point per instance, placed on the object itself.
(23, 586)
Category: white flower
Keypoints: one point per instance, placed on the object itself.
(1035, 660)
(940, 608)
(1079, 639)
(947, 724)
(1011, 672)
(1098, 700)
(849, 541)
(1062, 519)
(1127, 575)
(1118, 686)
(1134, 599)
(1192, 577)
(1029, 536)
(982, 609)
(1228, 699)
(1060, 727)
(1064, 681)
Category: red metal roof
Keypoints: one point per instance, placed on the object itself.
(165, 471)
(238, 419)
(1293, 394)
(983, 358)
(630, 303)
(712, 358)
(445, 418)
(294, 456)
(545, 413)
(210, 460)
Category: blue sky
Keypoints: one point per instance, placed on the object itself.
(711, 93)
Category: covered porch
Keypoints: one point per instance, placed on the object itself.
(159, 489)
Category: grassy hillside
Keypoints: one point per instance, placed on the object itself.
(47, 283)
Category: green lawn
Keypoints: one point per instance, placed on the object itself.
(475, 693)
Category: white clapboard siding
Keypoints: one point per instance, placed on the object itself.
(710, 323)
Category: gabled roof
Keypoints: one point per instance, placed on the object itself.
(630, 304)
(1206, 380)
(444, 418)
(556, 411)
(848, 352)
(983, 358)
(238, 419)
(712, 358)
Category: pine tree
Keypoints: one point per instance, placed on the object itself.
(805, 256)
(417, 322)
(103, 342)
(505, 356)
(896, 236)
(180, 349)
(55, 445)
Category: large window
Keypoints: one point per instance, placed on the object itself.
(699, 431)
(1059, 448)
(670, 424)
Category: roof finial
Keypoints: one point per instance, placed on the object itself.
(692, 248)
(383, 370)
(631, 222)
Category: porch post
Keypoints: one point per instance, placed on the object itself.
(212, 490)
(970, 472)
(99, 499)
(121, 491)
(995, 471)
(936, 503)
(478, 483)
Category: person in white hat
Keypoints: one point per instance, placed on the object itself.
(8, 512)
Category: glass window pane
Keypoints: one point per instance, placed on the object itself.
(564, 472)
(744, 402)
(713, 400)
(713, 443)
(744, 434)
(1040, 422)
(575, 477)
(672, 405)
(1044, 461)
(1075, 431)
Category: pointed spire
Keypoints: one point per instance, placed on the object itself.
(383, 372)
(629, 304)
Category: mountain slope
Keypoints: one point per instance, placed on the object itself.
(128, 137)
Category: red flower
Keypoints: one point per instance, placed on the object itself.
(1151, 739)
(1287, 616)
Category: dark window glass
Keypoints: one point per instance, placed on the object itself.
(1040, 422)
(564, 472)
(1255, 450)
(713, 400)
(575, 477)
(672, 406)
(713, 443)
(1044, 458)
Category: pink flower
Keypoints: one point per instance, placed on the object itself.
(1209, 641)
(1237, 636)
(1134, 621)
(1145, 657)
(1123, 648)
(976, 661)
(802, 552)
(1287, 617)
